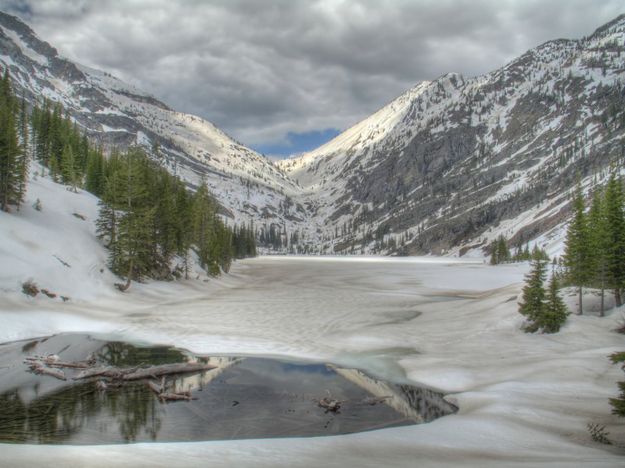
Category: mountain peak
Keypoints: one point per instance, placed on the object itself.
(26, 35)
(616, 25)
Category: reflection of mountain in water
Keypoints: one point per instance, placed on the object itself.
(417, 403)
(200, 381)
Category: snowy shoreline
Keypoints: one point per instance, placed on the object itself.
(524, 399)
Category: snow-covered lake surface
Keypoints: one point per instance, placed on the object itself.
(524, 400)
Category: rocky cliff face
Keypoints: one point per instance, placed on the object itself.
(444, 168)
(454, 162)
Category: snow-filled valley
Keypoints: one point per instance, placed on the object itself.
(451, 324)
(446, 168)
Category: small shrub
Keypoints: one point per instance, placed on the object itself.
(50, 294)
(598, 433)
(30, 288)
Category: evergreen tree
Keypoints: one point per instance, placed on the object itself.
(13, 160)
(539, 254)
(554, 312)
(131, 251)
(577, 248)
(68, 169)
(94, 172)
(204, 230)
(532, 306)
(499, 251)
(600, 247)
(615, 226)
(618, 404)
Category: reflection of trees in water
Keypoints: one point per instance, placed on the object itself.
(13, 417)
(135, 408)
(123, 354)
(60, 415)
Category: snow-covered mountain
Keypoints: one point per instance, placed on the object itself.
(247, 184)
(454, 162)
(444, 168)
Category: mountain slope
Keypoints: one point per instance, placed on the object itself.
(454, 162)
(248, 185)
(444, 168)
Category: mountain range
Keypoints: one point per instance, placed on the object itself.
(445, 168)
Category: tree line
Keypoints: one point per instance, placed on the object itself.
(13, 141)
(147, 217)
(500, 253)
(594, 257)
(594, 253)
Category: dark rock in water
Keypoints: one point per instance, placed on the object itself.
(240, 398)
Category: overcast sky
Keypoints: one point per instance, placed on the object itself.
(283, 76)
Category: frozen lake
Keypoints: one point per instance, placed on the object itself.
(524, 399)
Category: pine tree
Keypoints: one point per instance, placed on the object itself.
(204, 230)
(577, 248)
(615, 224)
(599, 242)
(499, 251)
(131, 247)
(532, 305)
(13, 160)
(618, 404)
(554, 312)
(94, 172)
(68, 169)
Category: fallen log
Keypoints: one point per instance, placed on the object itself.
(108, 371)
(166, 369)
(48, 359)
(38, 368)
(136, 373)
(56, 363)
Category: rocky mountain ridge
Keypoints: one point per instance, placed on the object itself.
(455, 162)
(444, 168)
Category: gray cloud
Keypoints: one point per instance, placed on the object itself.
(261, 69)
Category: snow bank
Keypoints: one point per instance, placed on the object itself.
(524, 399)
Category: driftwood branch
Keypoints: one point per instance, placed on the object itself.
(52, 361)
(39, 368)
(51, 364)
(167, 369)
(136, 373)
(107, 371)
